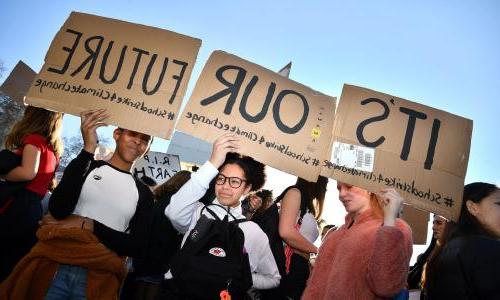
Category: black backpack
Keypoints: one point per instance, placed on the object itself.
(213, 259)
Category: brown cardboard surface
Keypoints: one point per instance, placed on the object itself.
(275, 136)
(418, 221)
(384, 118)
(157, 165)
(19, 81)
(133, 91)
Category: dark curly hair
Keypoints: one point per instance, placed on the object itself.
(254, 170)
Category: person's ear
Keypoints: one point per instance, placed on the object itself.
(116, 133)
(247, 190)
(472, 207)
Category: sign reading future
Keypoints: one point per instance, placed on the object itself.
(280, 122)
(138, 73)
(383, 141)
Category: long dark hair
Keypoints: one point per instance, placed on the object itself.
(316, 192)
(431, 269)
(468, 224)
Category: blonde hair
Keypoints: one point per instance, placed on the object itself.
(40, 121)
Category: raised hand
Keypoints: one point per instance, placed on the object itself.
(90, 121)
(390, 201)
(225, 143)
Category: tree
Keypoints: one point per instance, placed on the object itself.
(10, 112)
(73, 145)
(2, 68)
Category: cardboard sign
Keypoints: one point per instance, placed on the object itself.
(418, 221)
(280, 122)
(383, 141)
(138, 73)
(19, 81)
(157, 165)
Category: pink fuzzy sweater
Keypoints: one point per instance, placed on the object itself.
(365, 261)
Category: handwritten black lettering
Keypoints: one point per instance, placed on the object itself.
(71, 52)
(413, 115)
(105, 63)
(363, 124)
(93, 53)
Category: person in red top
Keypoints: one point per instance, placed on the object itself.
(37, 139)
(368, 257)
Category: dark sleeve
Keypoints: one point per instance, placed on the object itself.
(63, 200)
(481, 258)
(134, 243)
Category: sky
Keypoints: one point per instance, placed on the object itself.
(444, 54)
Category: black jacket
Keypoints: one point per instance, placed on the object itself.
(467, 268)
(164, 242)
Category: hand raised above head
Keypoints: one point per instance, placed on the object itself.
(90, 121)
(225, 143)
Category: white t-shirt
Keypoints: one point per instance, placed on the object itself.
(108, 196)
(309, 228)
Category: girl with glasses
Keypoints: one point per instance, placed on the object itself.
(235, 177)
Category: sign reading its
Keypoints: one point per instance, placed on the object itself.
(280, 122)
(383, 141)
(19, 81)
(138, 73)
(157, 165)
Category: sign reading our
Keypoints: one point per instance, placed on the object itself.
(383, 141)
(280, 122)
(19, 81)
(138, 73)
(157, 165)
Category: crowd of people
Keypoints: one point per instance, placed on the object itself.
(215, 233)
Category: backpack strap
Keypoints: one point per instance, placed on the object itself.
(214, 214)
(238, 221)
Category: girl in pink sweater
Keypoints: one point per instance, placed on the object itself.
(368, 257)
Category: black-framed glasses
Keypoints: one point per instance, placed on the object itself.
(234, 182)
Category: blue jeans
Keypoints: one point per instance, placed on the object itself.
(69, 283)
